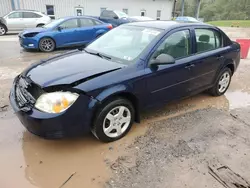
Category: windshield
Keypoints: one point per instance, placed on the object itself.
(124, 43)
(54, 23)
(121, 14)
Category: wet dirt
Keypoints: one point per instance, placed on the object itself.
(29, 161)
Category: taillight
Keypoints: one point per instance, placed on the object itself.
(110, 26)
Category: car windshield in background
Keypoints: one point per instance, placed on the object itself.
(53, 23)
(125, 43)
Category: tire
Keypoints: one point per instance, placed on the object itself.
(3, 30)
(108, 113)
(47, 44)
(40, 25)
(221, 87)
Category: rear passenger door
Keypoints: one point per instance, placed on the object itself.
(30, 19)
(86, 31)
(209, 56)
(15, 21)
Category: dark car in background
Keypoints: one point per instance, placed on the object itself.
(114, 17)
(135, 66)
(64, 32)
(3, 26)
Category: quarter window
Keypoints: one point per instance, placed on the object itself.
(177, 45)
(207, 39)
(15, 15)
(96, 22)
(69, 24)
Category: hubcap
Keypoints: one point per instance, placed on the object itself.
(117, 121)
(47, 44)
(2, 30)
(224, 82)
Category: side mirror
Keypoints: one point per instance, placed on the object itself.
(59, 28)
(116, 17)
(162, 59)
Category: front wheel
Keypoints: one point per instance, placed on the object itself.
(3, 30)
(114, 120)
(222, 83)
(47, 45)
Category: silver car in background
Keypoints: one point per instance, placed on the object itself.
(19, 20)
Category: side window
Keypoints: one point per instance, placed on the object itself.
(15, 15)
(86, 22)
(207, 39)
(177, 45)
(31, 15)
(69, 24)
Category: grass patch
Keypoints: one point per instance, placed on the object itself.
(231, 23)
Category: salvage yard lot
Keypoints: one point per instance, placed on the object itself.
(177, 145)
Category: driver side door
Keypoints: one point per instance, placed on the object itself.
(171, 81)
(15, 21)
(67, 33)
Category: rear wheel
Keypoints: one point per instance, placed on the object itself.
(47, 45)
(222, 83)
(114, 120)
(3, 29)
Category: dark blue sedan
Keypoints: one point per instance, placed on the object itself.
(64, 32)
(103, 87)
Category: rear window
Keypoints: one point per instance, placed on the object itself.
(108, 14)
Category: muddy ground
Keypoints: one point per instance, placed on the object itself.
(202, 141)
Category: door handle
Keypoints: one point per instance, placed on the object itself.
(220, 57)
(189, 66)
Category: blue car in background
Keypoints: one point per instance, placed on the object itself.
(64, 32)
(186, 19)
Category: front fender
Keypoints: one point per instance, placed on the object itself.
(112, 91)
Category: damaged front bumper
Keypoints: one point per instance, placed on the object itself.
(74, 121)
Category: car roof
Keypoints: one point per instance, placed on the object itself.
(166, 24)
(26, 10)
(70, 17)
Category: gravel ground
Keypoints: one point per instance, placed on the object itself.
(176, 152)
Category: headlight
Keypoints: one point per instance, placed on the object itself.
(55, 102)
(30, 34)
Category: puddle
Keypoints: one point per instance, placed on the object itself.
(238, 99)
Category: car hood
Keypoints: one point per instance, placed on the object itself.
(69, 68)
(33, 30)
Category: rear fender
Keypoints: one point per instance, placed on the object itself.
(100, 32)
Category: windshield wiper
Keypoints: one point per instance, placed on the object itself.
(98, 54)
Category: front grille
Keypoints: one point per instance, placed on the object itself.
(26, 93)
